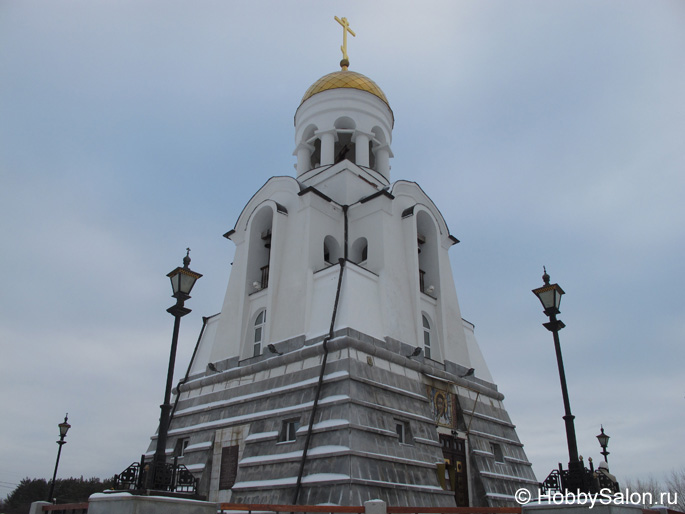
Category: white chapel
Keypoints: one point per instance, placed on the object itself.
(340, 368)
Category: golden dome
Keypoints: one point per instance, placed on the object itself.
(345, 79)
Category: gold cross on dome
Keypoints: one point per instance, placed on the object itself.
(346, 28)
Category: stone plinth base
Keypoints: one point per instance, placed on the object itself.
(125, 503)
(37, 507)
(375, 507)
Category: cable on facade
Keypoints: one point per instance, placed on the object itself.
(298, 485)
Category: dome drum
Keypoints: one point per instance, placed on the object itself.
(343, 122)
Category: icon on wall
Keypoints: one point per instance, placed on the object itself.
(442, 406)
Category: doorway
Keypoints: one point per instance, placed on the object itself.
(456, 479)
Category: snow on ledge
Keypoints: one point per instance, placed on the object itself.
(198, 446)
(259, 436)
(331, 423)
(319, 450)
(316, 478)
(122, 495)
(324, 477)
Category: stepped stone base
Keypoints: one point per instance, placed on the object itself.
(379, 430)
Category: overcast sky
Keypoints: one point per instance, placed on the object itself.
(548, 133)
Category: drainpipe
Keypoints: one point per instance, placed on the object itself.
(475, 404)
(185, 379)
(298, 485)
(345, 207)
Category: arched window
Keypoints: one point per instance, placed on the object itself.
(259, 326)
(359, 251)
(331, 250)
(426, 337)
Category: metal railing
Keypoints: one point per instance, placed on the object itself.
(454, 510)
(359, 509)
(264, 283)
(171, 477)
(584, 479)
(258, 507)
(82, 508)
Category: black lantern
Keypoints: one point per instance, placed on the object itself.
(183, 279)
(603, 442)
(549, 295)
(63, 429)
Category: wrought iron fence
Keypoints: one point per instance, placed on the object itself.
(82, 508)
(360, 509)
(133, 477)
(256, 507)
(172, 477)
(584, 479)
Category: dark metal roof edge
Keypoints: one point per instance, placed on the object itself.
(382, 192)
(312, 189)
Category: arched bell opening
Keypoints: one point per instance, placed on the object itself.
(379, 154)
(345, 147)
(372, 156)
(259, 251)
(308, 150)
(427, 247)
(315, 160)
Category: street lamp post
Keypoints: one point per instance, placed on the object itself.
(603, 442)
(550, 297)
(63, 429)
(182, 282)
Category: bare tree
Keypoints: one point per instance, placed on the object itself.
(675, 484)
(650, 489)
(669, 493)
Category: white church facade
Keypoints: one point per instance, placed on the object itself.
(340, 368)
